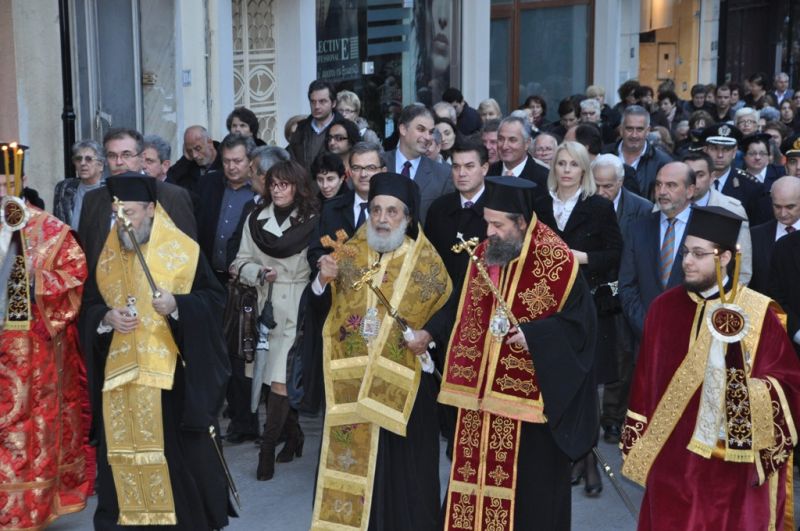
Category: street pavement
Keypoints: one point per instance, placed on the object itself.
(284, 503)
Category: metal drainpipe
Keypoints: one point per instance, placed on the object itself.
(68, 112)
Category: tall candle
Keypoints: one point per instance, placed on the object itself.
(5, 168)
(18, 172)
(11, 180)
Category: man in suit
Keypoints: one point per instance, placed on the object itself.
(123, 149)
(650, 261)
(783, 284)
(721, 141)
(433, 178)
(705, 195)
(453, 213)
(786, 209)
(782, 90)
(609, 175)
(513, 143)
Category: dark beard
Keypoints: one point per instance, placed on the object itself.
(500, 252)
(142, 234)
(701, 285)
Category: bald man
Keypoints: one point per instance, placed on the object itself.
(785, 196)
(201, 158)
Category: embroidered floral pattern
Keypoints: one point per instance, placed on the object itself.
(538, 299)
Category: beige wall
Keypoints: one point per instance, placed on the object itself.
(38, 102)
(9, 128)
(685, 33)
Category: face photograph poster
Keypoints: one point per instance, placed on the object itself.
(438, 48)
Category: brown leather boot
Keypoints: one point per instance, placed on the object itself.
(294, 439)
(277, 411)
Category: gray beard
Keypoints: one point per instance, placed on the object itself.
(386, 244)
(500, 252)
(142, 234)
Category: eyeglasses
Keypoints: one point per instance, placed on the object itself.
(279, 186)
(77, 159)
(695, 253)
(359, 169)
(757, 153)
(748, 122)
(338, 138)
(125, 155)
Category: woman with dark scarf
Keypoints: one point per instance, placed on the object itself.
(330, 174)
(272, 257)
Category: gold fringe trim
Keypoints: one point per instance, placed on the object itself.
(138, 518)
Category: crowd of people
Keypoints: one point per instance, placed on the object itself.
(506, 267)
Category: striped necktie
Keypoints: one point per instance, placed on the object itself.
(667, 252)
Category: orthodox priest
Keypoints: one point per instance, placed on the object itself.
(164, 367)
(519, 370)
(45, 467)
(379, 466)
(710, 430)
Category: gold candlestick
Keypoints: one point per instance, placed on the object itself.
(5, 168)
(18, 158)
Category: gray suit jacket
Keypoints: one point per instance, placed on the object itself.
(433, 179)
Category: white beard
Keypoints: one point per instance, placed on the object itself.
(386, 244)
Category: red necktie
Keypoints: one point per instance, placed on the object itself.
(406, 172)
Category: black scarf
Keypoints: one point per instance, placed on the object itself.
(294, 239)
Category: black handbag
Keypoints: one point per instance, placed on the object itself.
(240, 325)
(267, 317)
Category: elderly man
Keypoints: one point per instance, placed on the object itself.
(710, 426)
(782, 90)
(156, 157)
(609, 175)
(380, 450)
(513, 143)
(704, 195)
(539, 397)
(201, 158)
(543, 148)
(46, 470)
(649, 264)
(785, 198)
(163, 370)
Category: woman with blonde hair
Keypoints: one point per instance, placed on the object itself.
(349, 106)
(587, 223)
(489, 109)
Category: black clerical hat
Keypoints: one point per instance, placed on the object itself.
(716, 225)
(722, 135)
(10, 169)
(744, 145)
(791, 146)
(404, 189)
(130, 186)
(511, 195)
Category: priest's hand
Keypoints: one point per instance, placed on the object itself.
(120, 320)
(328, 269)
(165, 304)
(419, 344)
(516, 337)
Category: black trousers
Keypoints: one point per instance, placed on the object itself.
(615, 394)
(238, 395)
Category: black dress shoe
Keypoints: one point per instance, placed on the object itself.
(611, 434)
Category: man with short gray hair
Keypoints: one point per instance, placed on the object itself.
(635, 151)
(782, 90)
(513, 142)
(156, 154)
(201, 158)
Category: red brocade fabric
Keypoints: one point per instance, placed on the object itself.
(683, 489)
(45, 464)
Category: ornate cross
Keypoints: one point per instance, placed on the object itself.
(337, 244)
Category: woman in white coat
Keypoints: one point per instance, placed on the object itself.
(272, 254)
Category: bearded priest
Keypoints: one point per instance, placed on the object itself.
(379, 466)
(520, 371)
(709, 430)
